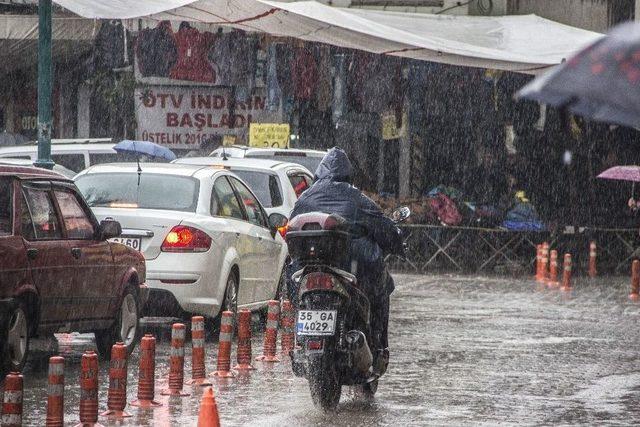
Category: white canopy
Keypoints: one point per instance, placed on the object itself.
(19, 39)
(524, 43)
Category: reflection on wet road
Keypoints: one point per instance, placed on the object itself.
(465, 350)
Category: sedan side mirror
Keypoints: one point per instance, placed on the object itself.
(108, 229)
(277, 223)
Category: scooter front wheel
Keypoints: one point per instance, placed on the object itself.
(368, 390)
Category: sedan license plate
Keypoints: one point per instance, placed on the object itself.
(316, 322)
(132, 242)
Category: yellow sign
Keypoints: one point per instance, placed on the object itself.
(389, 128)
(228, 140)
(269, 135)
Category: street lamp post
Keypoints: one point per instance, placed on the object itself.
(45, 77)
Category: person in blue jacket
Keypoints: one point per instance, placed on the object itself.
(333, 193)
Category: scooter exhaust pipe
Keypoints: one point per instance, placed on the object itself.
(362, 357)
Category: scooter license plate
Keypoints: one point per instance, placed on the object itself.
(316, 322)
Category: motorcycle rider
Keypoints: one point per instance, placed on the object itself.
(332, 193)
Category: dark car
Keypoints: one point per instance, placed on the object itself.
(58, 271)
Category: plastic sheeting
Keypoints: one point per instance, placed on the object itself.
(516, 43)
(19, 39)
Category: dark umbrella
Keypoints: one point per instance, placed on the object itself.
(144, 147)
(602, 82)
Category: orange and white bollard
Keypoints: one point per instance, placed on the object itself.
(55, 393)
(223, 368)
(566, 273)
(635, 280)
(271, 333)
(198, 370)
(538, 263)
(117, 393)
(552, 280)
(544, 262)
(593, 252)
(89, 390)
(288, 322)
(244, 342)
(147, 374)
(176, 362)
(208, 415)
(12, 402)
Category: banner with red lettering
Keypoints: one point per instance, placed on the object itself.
(183, 116)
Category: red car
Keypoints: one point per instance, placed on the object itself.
(58, 271)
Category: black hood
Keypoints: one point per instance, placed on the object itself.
(335, 166)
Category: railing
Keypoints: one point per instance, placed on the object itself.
(486, 250)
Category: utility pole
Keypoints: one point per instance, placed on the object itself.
(45, 78)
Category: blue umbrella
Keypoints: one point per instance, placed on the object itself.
(144, 147)
(601, 82)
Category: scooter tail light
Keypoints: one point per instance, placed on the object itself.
(314, 345)
(319, 281)
(283, 230)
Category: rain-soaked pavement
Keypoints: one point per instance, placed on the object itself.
(465, 351)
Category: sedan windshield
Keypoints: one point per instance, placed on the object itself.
(155, 191)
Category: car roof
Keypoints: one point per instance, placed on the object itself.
(59, 148)
(267, 151)
(30, 172)
(28, 162)
(240, 163)
(161, 168)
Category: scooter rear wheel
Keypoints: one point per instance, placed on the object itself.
(324, 383)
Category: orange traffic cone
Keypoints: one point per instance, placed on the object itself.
(208, 416)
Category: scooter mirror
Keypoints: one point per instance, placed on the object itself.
(401, 214)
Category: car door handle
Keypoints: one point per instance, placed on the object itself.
(32, 253)
(76, 252)
(237, 234)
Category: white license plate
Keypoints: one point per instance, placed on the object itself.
(132, 242)
(316, 322)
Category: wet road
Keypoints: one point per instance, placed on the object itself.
(465, 351)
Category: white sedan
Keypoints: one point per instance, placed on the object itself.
(206, 239)
(277, 184)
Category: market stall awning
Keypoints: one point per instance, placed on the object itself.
(19, 39)
(525, 43)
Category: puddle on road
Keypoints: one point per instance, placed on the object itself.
(463, 351)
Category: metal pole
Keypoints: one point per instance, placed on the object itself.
(45, 77)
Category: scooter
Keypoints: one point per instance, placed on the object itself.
(333, 332)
